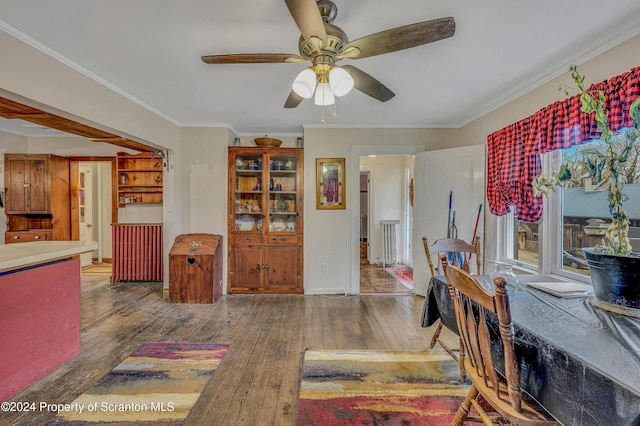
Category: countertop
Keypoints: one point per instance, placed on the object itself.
(18, 255)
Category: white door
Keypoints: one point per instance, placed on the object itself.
(456, 171)
(85, 210)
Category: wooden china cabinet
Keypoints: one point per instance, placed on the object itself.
(265, 220)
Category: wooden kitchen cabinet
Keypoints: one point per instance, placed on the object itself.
(28, 184)
(38, 197)
(265, 220)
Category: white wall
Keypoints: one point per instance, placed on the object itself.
(71, 146)
(204, 181)
(142, 213)
(13, 143)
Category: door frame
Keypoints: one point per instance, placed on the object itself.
(370, 239)
(353, 183)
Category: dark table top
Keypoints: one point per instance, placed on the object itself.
(579, 362)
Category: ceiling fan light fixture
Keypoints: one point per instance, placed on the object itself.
(324, 94)
(305, 83)
(341, 81)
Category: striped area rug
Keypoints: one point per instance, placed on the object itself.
(359, 387)
(403, 274)
(156, 384)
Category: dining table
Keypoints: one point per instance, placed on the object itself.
(580, 362)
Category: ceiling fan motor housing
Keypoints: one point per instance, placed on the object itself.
(328, 10)
(336, 40)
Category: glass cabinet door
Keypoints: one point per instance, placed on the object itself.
(282, 190)
(248, 201)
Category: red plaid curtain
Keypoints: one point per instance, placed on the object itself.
(514, 152)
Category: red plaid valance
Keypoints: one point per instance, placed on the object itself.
(514, 151)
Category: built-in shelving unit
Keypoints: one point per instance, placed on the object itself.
(139, 179)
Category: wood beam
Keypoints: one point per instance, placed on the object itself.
(13, 110)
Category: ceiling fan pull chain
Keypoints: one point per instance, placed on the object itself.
(323, 120)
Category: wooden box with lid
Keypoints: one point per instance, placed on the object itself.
(195, 268)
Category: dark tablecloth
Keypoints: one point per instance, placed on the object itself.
(581, 363)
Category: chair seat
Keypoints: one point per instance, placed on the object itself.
(531, 414)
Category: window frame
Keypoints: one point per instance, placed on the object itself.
(549, 232)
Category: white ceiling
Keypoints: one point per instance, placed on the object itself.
(150, 51)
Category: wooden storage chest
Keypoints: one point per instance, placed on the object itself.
(195, 268)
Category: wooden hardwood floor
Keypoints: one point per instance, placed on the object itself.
(257, 383)
(374, 279)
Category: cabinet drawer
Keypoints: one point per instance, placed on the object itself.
(247, 239)
(26, 236)
(283, 239)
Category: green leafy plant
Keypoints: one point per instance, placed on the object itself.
(602, 165)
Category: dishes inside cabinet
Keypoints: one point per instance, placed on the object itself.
(291, 223)
(247, 223)
(278, 225)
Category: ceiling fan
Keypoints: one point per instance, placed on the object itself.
(323, 44)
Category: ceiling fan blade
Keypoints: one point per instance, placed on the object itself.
(401, 38)
(308, 19)
(293, 100)
(369, 85)
(251, 58)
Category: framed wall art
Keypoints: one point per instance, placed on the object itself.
(330, 184)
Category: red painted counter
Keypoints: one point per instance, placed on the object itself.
(39, 322)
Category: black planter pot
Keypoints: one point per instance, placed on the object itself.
(615, 279)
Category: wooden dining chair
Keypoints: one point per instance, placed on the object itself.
(502, 392)
(462, 253)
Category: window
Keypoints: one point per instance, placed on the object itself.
(573, 217)
(521, 241)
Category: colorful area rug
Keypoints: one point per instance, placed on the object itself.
(157, 384)
(379, 388)
(404, 274)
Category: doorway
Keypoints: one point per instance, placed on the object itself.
(384, 223)
(85, 211)
(92, 206)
